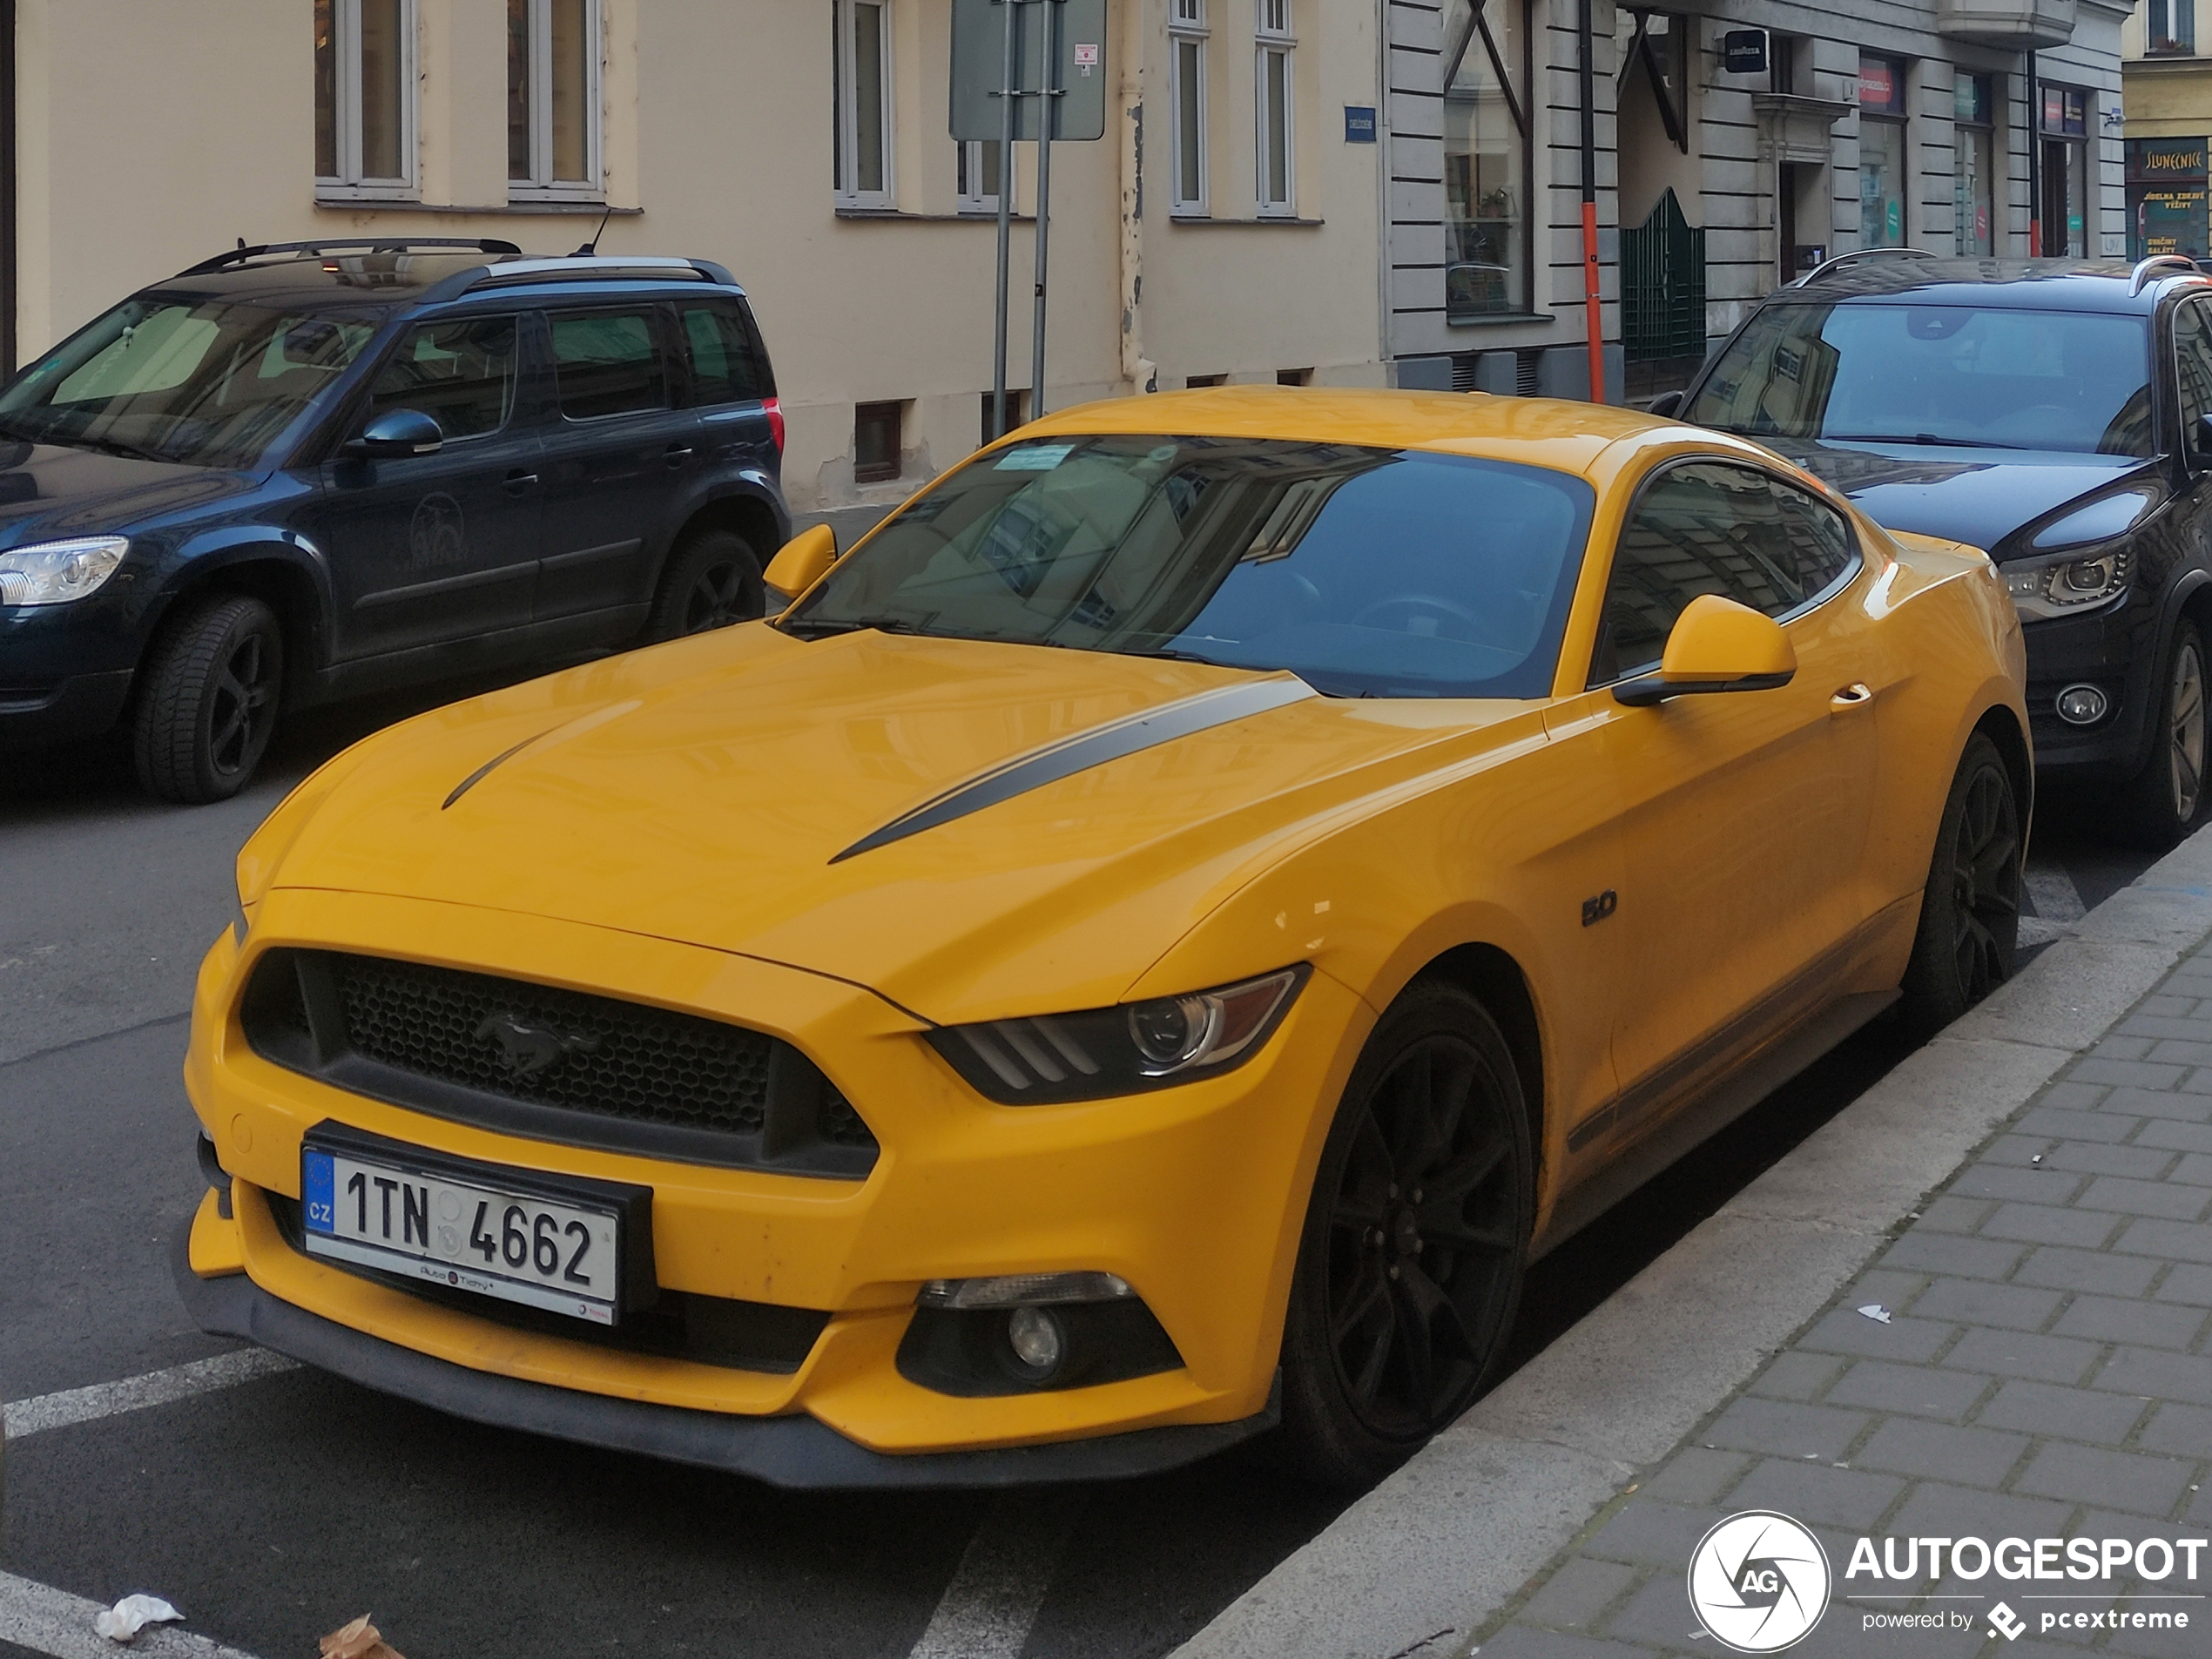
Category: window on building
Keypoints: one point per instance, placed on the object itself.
(861, 34)
(2171, 28)
(1017, 413)
(365, 97)
(1487, 184)
(1881, 151)
(553, 97)
(1293, 377)
(607, 362)
(1275, 93)
(1974, 124)
(876, 429)
(976, 167)
(1187, 105)
(1198, 383)
(2062, 222)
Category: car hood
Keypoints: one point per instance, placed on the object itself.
(49, 490)
(719, 791)
(1978, 497)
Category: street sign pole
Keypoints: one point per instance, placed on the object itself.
(1048, 117)
(1006, 224)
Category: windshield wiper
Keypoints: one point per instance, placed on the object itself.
(807, 628)
(1172, 655)
(1919, 437)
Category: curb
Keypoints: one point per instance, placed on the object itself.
(1490, 1501)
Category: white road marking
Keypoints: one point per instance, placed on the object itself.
(987, 1611)
(135, 1393)
(54, 1622)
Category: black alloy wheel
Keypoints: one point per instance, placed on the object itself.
(2164, 798)
(713, 580)
(1970, 910)
(207, 700)
(1411, 1264)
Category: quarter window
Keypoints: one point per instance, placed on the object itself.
(1705, 527)
(460, 374)
(365, 97)
(724, 368)
(861, 39)
(607, 362)
(553, 97)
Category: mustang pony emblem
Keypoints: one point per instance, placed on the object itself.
(527, 1050)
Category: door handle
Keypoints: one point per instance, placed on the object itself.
(1857, 695)
(676, 453)
(517, 482)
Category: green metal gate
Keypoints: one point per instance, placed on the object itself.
(1663, 286)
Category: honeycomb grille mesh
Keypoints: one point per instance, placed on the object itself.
(618, 1059)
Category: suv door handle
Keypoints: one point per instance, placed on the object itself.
(517, 482)
(676, 453)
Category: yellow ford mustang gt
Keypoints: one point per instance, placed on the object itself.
(1146, 947)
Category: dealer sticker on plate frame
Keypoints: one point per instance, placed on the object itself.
(508, 1234)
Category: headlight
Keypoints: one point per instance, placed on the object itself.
(2061, 586)
(53, 573)
(1123, 1050)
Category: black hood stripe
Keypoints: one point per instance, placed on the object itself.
(1086, 750)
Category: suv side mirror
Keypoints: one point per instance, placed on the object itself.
(1717, 645)
(1665, 403)
(398, 432)
(805, 559)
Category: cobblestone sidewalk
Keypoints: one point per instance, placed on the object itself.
(2046, 1371)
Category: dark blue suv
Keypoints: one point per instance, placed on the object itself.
(304, 470)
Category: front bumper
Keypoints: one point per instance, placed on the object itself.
(36, 714)
(2115, 649)
(788, 1451)
(1193, 1195)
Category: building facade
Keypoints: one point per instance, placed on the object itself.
(2169, 80)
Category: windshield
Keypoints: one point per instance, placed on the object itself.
(1365, 571)
(1947, 375)
(207, 381)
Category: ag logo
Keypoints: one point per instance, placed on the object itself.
(1759, 1581)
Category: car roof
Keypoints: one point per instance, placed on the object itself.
(2022, 284)
(400, 275)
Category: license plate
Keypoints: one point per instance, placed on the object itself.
(511, 1234)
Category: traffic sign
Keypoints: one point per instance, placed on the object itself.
(978, 68)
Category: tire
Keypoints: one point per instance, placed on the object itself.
(207, 700)
(1415, 1242)
(1970, 909)
(713, 580)
(2161, 801)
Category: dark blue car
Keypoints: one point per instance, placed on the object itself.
(305, 470)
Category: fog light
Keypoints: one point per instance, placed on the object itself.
(2082, 704)
(1036, 1338)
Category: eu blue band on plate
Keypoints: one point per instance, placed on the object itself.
(316, 1196)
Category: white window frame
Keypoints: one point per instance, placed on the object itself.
(968, 196)
(349, 185)
(1277, 199)
(1187, 29)
(845, 29)
(541, 185)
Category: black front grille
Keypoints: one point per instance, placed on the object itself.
(554, 1065)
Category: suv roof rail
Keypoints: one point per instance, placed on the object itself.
(242, 254)
(579, 267)
(2146, 270)
(1856, 254)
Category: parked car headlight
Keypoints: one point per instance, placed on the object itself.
(53, 573)
(2058, 587)
(1121, 1050)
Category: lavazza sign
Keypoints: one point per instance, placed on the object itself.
(1760, 1582)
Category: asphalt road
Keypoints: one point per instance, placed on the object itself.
(273, 1510)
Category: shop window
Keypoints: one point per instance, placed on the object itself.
(1274, 93)
(1973, 124)
(876, 430)
(365, 110)
(1882, 203)
(1186, 192)
(2063, 218)
(860, 102)
(1487, 184)
(553, 97)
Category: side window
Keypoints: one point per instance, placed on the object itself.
(722, 368)
(460, 374)
(1703, 528)
(607, 362)
(2193, 367)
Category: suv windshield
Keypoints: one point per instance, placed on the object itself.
(1377, 572)
(207, 381)
(1954, 376)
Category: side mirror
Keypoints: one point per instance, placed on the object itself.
(398, 432)
(1665, 403)
(805, 559)
(1717, 645)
